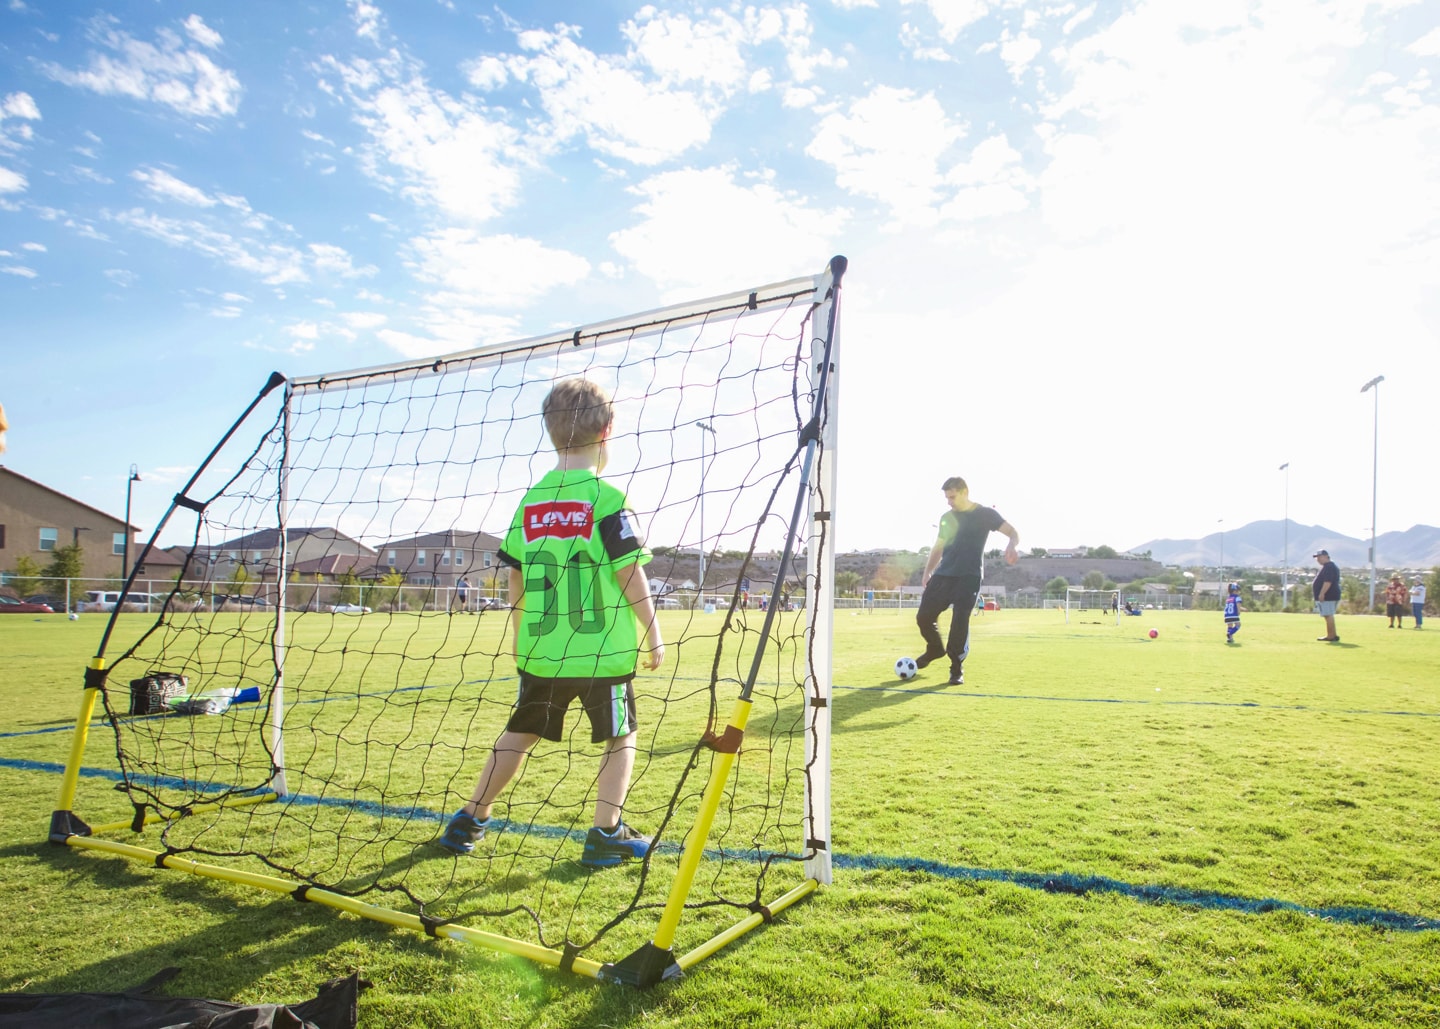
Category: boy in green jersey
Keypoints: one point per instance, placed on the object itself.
(580, 601)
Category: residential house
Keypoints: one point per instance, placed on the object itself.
(258, 553)
(441, 558)
(36, 520)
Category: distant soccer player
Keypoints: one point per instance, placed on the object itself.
(1232, 612)
(580, 600)
(952, 575)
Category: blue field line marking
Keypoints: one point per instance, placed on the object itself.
(1081, 884)
(1063, 882)
(940, 691)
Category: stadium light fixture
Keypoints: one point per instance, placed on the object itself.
(125, 550)
(1374, 479)
(1285, 559)
(707, 427)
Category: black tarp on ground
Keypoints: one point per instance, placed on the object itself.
(334, 1007)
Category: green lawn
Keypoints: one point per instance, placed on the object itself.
(1097, 829)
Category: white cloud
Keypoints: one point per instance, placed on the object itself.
(38, 248)
(12, 181)
(336, 260)
(615, 109)
(203, 34)
(1427, 45)
(953, 16)
(436, 150)
(889, 147)
(166, 72)
(683, 49)
(19, 105)
(18, 270)
(162, 184)
(364, 319)
(273, 264)
(121, 276)
(475, 270)
(700, 230)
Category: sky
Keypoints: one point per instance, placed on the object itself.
(1113, 263)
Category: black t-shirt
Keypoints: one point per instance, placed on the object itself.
(964, 534)
(1329, 572)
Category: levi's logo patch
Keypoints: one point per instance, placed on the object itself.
(559, 519)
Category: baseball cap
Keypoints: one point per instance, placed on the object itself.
(1321, 553)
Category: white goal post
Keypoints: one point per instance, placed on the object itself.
(1104, 602)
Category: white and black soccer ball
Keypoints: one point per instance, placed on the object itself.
(74, 617)
(905, 668)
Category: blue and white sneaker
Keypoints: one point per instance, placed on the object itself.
(606, 850)
(463, 832)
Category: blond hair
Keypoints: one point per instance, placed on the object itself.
(577, 413)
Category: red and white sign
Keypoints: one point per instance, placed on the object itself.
(559, 520)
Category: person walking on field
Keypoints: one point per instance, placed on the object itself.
(952, 575)
(1396, 597)
(1326, 591)
(1417, 602)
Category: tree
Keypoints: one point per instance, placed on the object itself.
(1057, 586)
(68, 563)
(1038, 551)
(28, 571)
(1103, 551)
(847, 582)
(1094, 580)
(348, 594)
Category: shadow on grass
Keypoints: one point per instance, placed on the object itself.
(866, 700)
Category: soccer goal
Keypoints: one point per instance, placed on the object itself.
(1104, 603)
(317, 748)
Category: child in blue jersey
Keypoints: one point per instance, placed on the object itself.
(580, 602)
(1232, 613)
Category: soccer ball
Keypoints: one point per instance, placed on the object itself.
(1154, 633)
(905, 668)
(74, 617)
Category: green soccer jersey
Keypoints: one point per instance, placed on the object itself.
(570, 536)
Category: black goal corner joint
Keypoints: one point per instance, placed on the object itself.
(644, 968)
(64, 824)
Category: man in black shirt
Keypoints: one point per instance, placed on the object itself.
(952, 574)
(1326, 591)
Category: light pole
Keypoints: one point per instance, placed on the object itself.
(1222, 546)
(125, 550)
(706, 427)
(1374, 480)
(1285, 560)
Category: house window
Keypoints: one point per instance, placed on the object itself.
(390, 558)
(487, 559)
(117, 544)
(48, 538)
(420, 558)
(231, 555)
(256, 557)
(444, 557)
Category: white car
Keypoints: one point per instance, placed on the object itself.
(350, 609)
(105, 600)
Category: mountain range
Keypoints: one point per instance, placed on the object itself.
(1264, 545)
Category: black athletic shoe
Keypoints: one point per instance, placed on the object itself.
(1327, 639)
(929, 655)
(957, 678)
(607, 849)
(463, 832)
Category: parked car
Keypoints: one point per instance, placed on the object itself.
(105, 600)
(241, 600)
(489, 604)
(349, 609)
(58, 603)
(11, 606)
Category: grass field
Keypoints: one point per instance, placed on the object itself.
(1097, 829)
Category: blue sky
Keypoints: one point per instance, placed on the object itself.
(1113, 262)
